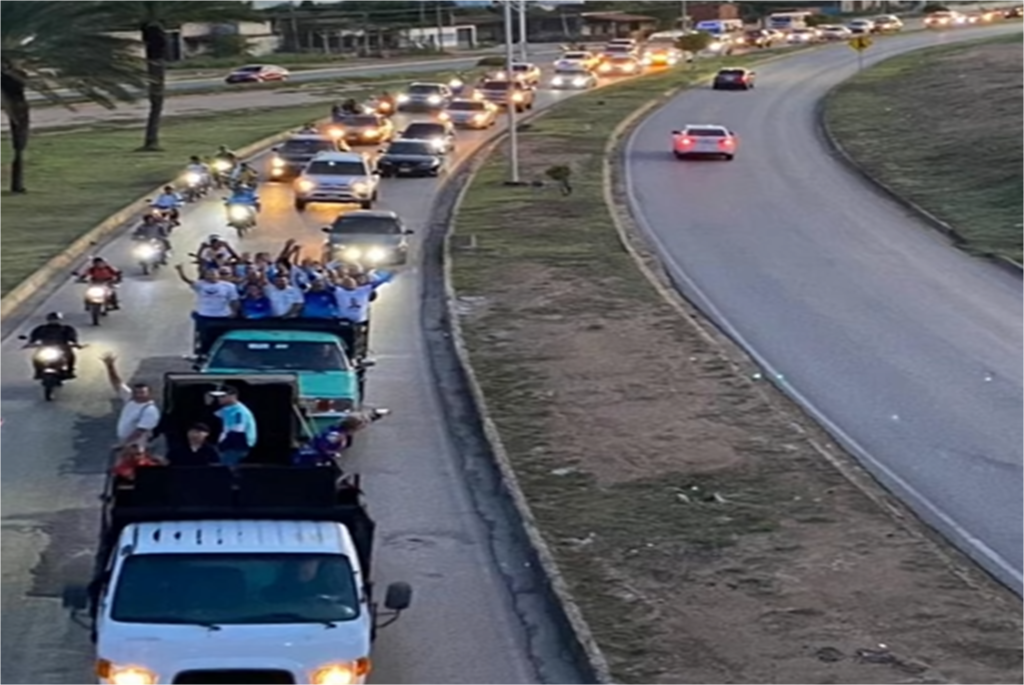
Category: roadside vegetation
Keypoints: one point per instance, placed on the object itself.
(701, 528)
(942, 127)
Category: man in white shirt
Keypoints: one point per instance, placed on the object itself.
(286, 300)
(139, 416)
(216, 299)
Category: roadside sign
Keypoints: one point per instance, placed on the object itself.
(861, 43)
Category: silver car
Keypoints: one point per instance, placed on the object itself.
(472, 114)
(573, 78)
(424, 97)
(337, 177)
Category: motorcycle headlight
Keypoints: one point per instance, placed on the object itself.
(455, 83)
(145, 252)
(371, 133)
(605, 68)
(192, 178)
(277, 163)
(557, 81)
(96, 292)
(344, 673)
(238, 212)
(353, 253)
(221, 165)
(376, 255)
(360, 187)
(336, 132)
(49, 355)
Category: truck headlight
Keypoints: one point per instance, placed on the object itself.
(341, 673)
(376, 255)
(124, 675)
(360, 187)
(434, 99)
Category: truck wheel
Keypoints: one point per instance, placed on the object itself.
(300, 206)
(366, 204)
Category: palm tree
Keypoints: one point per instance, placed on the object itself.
(54, 48)
(154, 19)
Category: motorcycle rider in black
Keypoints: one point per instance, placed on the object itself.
(55, 333)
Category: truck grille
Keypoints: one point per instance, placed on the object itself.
(234, 677)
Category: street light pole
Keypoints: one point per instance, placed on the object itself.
(524, 55)
(513, 134)
(685, 15)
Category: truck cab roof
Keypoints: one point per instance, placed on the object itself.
(227, 536)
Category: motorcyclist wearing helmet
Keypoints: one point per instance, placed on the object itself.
(99, 272)
(350, 106)
(152, 229)
(224, 154)
(224, 162)
(54, 333)
(386, 103)
(310, 128)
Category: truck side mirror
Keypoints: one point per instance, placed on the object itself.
(398, 597)
(325, 229)
(76, 597)
(677, 133)
(368, 362)
(408, 231)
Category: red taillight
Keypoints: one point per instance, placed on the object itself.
(725, 142)
(686, 141)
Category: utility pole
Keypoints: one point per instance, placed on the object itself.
(513, 134)
(439, 20)
(524, 51)
(684, 21)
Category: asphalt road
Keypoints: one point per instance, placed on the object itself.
(467, 624)
(908, 350)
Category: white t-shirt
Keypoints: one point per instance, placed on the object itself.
(283, 299)
(354, 304)
(135, 415)
(214, 299)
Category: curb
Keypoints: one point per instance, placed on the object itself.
(36, 282)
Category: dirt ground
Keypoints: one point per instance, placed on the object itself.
(710, 532)
(943, 128)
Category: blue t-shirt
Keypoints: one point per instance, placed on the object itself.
(237, 419)
(320, 305)
(256, 307)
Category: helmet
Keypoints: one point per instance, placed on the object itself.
(214, 238)
(54, 316)
(194, 159)
(99, 260)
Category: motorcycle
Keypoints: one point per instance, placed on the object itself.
(52, 364)
(196, 186)
(385, 108)
(241, 217)
(222, 169)
(99, 301)
(170, 218)
(152, 254)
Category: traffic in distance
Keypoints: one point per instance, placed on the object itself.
(235, 546)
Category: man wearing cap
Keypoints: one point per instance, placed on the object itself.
(238, 435)
(195, 451)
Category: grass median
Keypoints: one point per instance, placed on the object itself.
(942, 127)
(704, 536)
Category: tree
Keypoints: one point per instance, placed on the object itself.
(52, 48)
(154, 19)
(694, 43)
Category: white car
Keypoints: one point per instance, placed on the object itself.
(835, 32)
(580, 58)
(337, 177)
(257, 73)
(802, 36)
(573, 78)
(861, 26)
(527, 73)
(704, 140)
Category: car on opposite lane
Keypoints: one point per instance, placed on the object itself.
(527, 72)
(425, 97)
(573, 77)
(704, 140)
(363, 129)
(944, 19)
(410, 157)
(291, 157)
(734, 78)
(257, 73)
(758, 38)
(888, 23)
(472, 114)
(835, 32)
(337, 177)
(440, 134)
(372, 238)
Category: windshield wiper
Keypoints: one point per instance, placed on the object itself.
(173, 620)
(287, 616)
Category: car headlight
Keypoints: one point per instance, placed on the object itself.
(336, 132)
(48, 355)
(557, 81)
(434, 99)
(580, 82)
(145, 252)
(517, 97)
(438, 143)
(344, 673)
(444, 116)
(376, 255)
(480, 118)
(238, 212)
(353, 253)
(277, 163)
(192, 178)
(403, 98)
(605, 68)
(371, 133)
(360, 187)
(124, 675)
(715, 47)
(305, 185)
(96, 292)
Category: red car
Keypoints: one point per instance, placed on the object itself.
(257, 73)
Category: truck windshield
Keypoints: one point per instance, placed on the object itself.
(293, 355)
(235, 589)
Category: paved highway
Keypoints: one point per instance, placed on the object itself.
(468, 623)
(907, 349)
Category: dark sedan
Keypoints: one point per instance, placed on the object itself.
(441, 134)
(405, 157)
(372, 238)
(733, 79)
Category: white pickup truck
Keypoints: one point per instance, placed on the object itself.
(258, 574)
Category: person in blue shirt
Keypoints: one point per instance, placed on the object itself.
(169, 201)
(320, 301)
(239, 434)
(254, 303)
(244, 195)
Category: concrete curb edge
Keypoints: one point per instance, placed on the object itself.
(559, 587)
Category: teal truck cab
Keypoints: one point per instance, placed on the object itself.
(327, 356)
